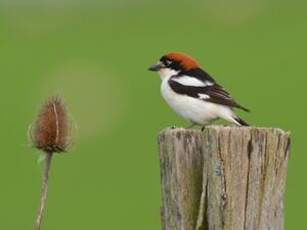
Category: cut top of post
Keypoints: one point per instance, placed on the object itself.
(223, 178)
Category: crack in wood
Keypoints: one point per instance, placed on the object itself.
(249, 149)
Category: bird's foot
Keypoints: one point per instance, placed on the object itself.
(207, 124)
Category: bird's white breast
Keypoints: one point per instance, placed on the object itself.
(192, 109)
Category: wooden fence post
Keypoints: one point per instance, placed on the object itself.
(223, 178)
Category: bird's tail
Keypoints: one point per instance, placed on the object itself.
(242, 107)
(240, 121)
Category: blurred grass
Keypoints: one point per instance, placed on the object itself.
(96, 56)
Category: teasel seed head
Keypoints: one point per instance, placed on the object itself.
(50, 132)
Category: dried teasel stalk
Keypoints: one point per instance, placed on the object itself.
(50, 134)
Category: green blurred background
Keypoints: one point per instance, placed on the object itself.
(95, 55)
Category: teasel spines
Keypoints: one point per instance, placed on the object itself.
(51, 132)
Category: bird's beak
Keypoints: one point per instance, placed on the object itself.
(156, 67)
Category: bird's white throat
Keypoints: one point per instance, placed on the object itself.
(166, 73)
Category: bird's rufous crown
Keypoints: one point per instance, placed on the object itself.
(185, 61)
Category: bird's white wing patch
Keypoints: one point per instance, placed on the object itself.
(203, 96)
(209, 83)
(191, 81)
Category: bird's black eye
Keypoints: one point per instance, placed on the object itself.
(168, 62)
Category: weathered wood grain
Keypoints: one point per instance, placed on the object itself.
(225, 178)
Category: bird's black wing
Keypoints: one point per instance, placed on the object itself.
(211, 93)
(199, 74)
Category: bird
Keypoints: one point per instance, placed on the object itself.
(194, 94)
